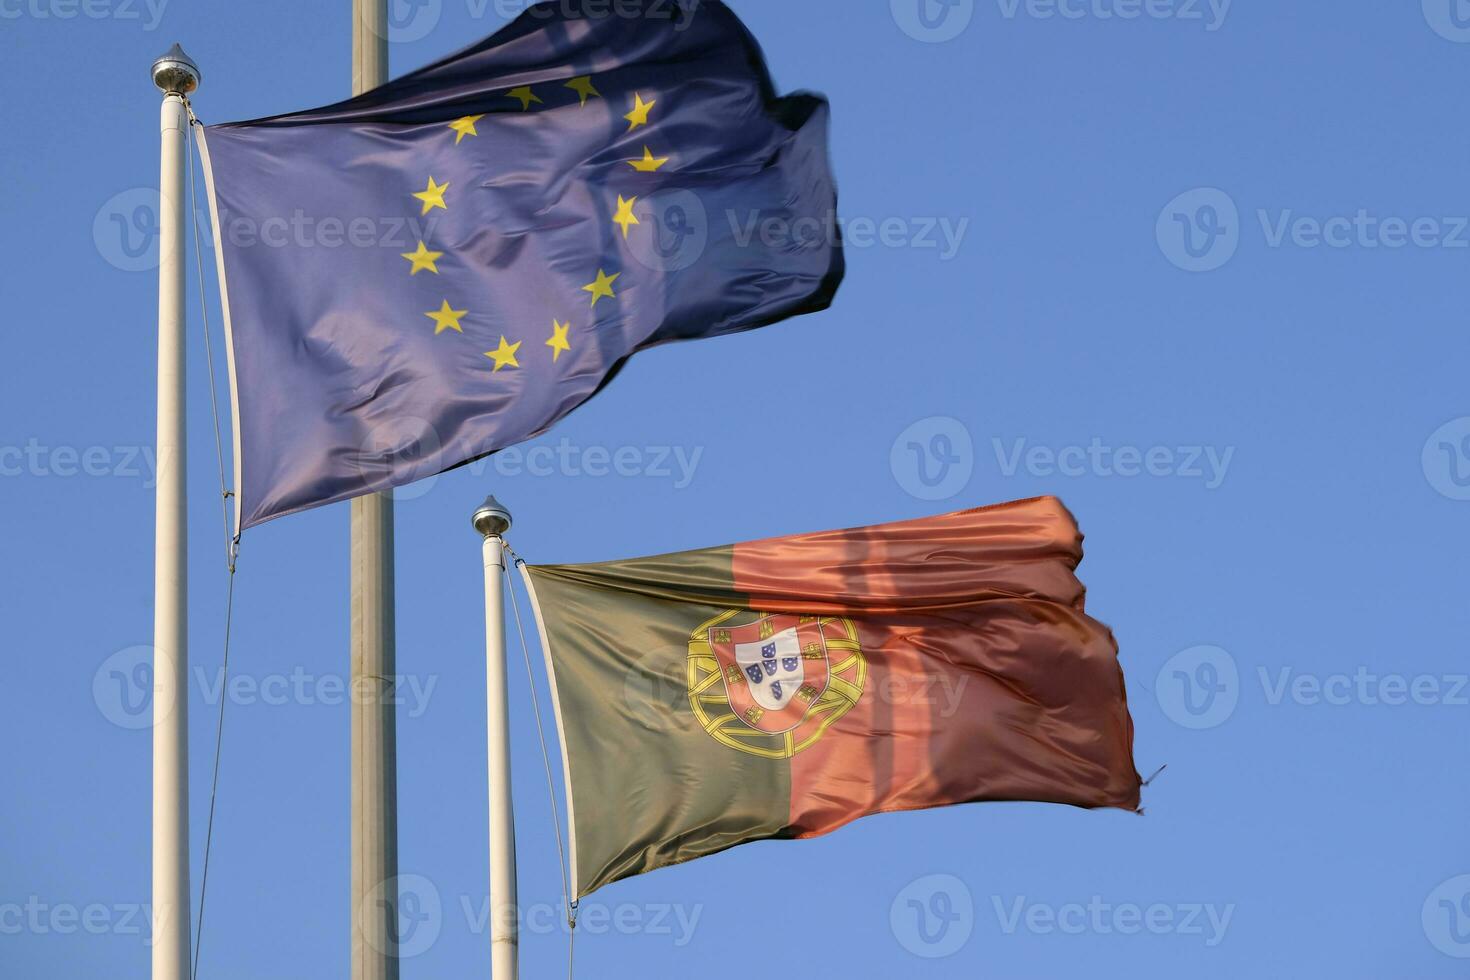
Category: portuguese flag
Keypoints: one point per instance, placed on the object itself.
(783, 688)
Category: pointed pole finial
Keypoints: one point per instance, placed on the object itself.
(175, 72)
(491, 518)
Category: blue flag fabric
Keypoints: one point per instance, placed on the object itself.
(448, 264)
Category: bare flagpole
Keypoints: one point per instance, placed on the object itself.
(176, 76)
(492, 520)
(374, 734)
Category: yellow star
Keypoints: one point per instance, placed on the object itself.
(558, 341)
(526, 96)
(445, 318)
(505, 354)
(625, 215)
(433, 197)
(582, 85)
(649, 164)
(602, 287)
(465, 126)
(422, 258)
(639, 115)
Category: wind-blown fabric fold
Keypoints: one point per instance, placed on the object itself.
(448, 264)
(785, 687)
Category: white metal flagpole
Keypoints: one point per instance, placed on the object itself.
(176, 76)
(492, 520)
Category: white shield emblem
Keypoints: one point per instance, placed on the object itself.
(773, 667)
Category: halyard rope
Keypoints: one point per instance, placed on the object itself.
(546, 763)
(232, 544)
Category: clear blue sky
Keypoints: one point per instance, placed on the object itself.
(1148, 280)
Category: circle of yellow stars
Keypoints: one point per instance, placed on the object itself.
(433, 196)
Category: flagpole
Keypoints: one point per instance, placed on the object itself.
(176, 76)
(492, 520)
(374, 732)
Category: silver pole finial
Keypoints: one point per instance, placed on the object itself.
(175, 73)
(491, 517)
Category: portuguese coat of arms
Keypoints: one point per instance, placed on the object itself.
(770, 685)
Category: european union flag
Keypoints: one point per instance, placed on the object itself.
(448, 264)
